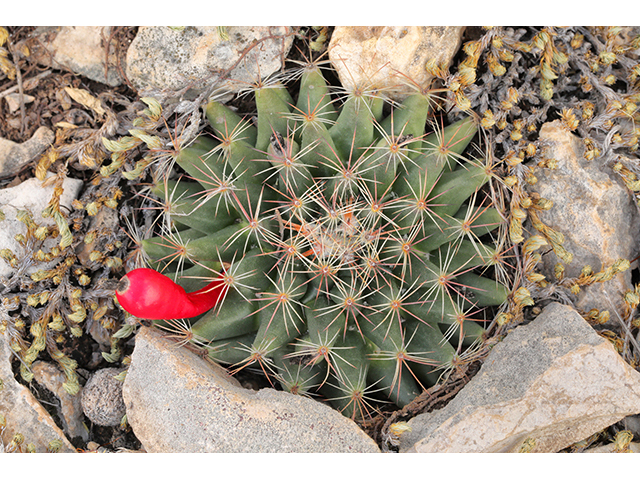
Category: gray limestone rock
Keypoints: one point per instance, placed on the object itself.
(386, 57)
(593, 210)
(81, 49)
(16, 156)
(178, 402)
(190, 59)
(102, 401)
(550, 383)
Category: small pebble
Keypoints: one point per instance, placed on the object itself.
(102, 401)
(13, 101)
(92, 446)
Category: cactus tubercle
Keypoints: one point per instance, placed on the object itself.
(146, 293)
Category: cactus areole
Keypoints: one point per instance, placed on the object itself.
(146, 293)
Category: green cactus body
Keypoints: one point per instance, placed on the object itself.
(350, 243)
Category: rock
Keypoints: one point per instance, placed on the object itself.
(550, 383)
(15, 156)
(594, 211)
(32, 196)
(70, 410)
(178, 402)
(169, 59)
(632, 423)
(13, 101)
(102, 401)
(20, 409)
(381, 56)
(80, 49)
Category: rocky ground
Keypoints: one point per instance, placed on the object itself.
(559, 369)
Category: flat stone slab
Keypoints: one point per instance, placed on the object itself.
(593, 210)
(177, 401)
(391, 58)
(548, 384)
(16, 156)
(81, 49)
(164, 59)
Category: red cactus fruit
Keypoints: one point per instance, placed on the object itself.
(146, 293)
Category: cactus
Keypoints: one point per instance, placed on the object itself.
(348, 241)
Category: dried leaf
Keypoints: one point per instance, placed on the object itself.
(6, 66)
(15, 99)
(46, 160)
(33, 82)
(85, 99)
(4, 35)
(23, 49)
(65, 125)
